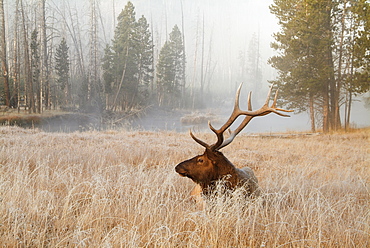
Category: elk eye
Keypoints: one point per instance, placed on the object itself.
(200, 160)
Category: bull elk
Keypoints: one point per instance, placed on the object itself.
(208, 169)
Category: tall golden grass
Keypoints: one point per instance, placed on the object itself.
(119, 189)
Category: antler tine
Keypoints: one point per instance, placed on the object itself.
(219, 133)
(273, 105)
(234, 115)
(268, 96)
(264, 110)
(249, 114)
(234, 133)
(241, 126)
(237, 96)
(200, 142)
(249, 101)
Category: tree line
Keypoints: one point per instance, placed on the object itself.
(123, 76)
(322, 59)
(323, 56)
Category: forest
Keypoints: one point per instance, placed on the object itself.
(51, 61)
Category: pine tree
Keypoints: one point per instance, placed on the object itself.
(62, 68)
(170, 70)
(107, 65)
(128, 64)
(356, 59)
(125, 64)
(144, 56)
(305, 62)
(108, 77)
(360, 82)
(165, 75)
(177, 48)
(323, 47)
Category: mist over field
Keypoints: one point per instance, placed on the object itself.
(228, 29)
(106, 178)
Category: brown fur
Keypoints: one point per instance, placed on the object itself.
(211, 167)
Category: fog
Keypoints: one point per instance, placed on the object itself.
(228, 28)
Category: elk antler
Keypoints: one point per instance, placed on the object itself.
(249, 114)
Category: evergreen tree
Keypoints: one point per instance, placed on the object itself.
(355, 73)
(360, 80)
(323, 49)
(170, 70)
(35, 65)
(128, 64)
(306, 61)
(62, 67)
(166, 75)
(177, 48)
(144, 56)
(107, 65)
(125, 64)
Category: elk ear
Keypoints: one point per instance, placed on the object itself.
(211, 155)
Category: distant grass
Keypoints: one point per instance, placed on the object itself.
(119, 189)
(22, 118)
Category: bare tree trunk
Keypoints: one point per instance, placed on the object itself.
(337, 123)
(44, 55)
(183, 84)
(202, 66)
(333, 87)
(52, 96)
(93, 65)
(15, 58)
(349, 93)
(209, 70)
(27, 67)
(35, 64)
(195, 65)
(75, 35)
(348, 117)
(325, 111)
(153, 63)
(4, 62)
(312, 113)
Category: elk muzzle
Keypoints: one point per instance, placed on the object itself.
(180, 169)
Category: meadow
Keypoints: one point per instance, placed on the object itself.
(119, 189)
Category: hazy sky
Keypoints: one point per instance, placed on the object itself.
(229, 26)
(228, 29)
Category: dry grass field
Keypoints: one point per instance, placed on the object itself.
(119, 189)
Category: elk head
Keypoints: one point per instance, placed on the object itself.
(210, 167)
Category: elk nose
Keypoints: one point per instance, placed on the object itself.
(180, 169)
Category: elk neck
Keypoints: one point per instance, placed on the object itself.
(223, 169)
